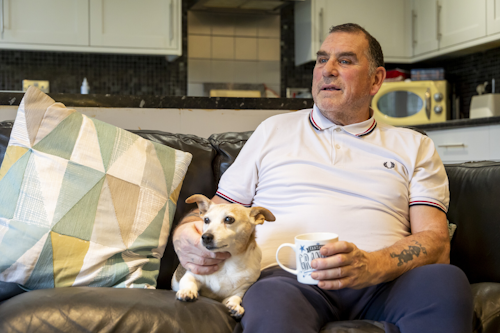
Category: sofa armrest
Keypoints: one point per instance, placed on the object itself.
(486, 307)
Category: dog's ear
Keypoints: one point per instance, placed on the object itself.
(202, 201)
(261, 214)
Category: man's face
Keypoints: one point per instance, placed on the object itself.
(342, 85)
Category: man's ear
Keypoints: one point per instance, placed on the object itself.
(377, 79)
(202, 201)
(261, 215)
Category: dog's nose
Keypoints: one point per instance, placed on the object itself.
(207, 238)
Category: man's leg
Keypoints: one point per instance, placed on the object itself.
(432, 298)
(278, 303)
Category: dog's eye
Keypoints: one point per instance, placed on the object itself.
(206, 220)
(229, 220)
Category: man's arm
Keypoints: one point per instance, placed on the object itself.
(346, 266)
(192, 255)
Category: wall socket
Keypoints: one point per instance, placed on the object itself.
(40, 84)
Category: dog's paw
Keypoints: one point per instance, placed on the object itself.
(235, 309)
(187, 295)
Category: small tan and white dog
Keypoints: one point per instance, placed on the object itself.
(230, 228)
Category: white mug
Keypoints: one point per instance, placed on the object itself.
(306, 249)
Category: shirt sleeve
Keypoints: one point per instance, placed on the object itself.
(429, 183)
(239, 182)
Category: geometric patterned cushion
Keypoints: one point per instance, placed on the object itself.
(82, 202)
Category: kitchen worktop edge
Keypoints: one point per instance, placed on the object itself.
(174, 102)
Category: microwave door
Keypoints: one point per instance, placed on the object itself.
(428, 103)
(400, 103)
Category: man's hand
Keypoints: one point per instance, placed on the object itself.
(192, 255)
(346, 266)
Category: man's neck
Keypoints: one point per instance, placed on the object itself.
(347, 118)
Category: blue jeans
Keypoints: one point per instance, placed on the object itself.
(432, 298)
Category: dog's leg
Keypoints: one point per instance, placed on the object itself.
(188, 288)
(233, 303)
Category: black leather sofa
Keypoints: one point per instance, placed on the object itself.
(475, 248)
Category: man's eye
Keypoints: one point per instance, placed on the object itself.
(345, 62)
(206, 220)
(321, 60)
(229, 220)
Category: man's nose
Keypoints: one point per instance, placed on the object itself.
(330, 69)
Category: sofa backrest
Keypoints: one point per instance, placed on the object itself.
(475, 209)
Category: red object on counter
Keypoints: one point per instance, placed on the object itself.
(397, 75)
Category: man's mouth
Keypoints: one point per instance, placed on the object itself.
(213, 248)
(330, 88)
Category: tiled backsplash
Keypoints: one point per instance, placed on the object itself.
(233, 49)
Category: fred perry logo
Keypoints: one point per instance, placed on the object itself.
(389, 165)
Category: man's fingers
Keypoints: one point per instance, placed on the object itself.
(203, 261)
(201, 270)
(334, 261)
(337, 247)
(330, 274)
(334, 284)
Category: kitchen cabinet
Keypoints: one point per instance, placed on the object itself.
(55, 22)
(424, 26)
(439, 24)
(384, 19)
(150, 24)
(105, 26)
(474, 143)
(492, 17)
(460, 21)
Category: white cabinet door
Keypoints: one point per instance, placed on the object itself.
(495, 142)
(147, 24)
(57, 22)
(383, 19)
(309, 29)
(492, 17)
(460, 145)
(461, 21)
(424, 21)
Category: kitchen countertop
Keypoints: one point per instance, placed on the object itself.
(184, 102)
(174, 102)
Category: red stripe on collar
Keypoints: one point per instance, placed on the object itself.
(311, 119)
(369, 130)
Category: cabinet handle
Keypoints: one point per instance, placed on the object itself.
(320, 26)
(414, 30)
(428, 103)
(438, 20)
(171, 21)
(1, 17)
(452, 145)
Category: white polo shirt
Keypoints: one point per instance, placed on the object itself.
(357, 181)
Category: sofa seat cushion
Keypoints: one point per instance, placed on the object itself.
(87, 309)
(486, 307)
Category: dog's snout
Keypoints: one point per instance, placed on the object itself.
(207, 238)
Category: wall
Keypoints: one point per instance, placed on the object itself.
(240, 50)
(200, 122)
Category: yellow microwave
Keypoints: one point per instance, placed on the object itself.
(412, 102)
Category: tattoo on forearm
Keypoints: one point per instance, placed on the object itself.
(407, 255)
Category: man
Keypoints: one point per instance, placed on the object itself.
(383, 189)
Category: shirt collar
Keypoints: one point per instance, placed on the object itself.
(320, 123)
